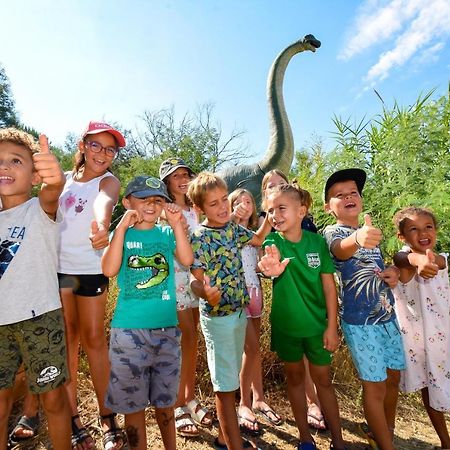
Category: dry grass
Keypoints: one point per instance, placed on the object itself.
(413, 430)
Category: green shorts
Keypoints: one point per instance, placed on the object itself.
(292, 349)
(40, 344)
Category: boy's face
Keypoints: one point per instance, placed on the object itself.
(344, 201)
(285, 213)
(216, 207)
(17, 174)
(149, 209)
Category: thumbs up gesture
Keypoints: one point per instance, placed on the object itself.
(368, 236)
(98, 236)
(212, 293)
(47, 165)
(240, 212)
(427, 267)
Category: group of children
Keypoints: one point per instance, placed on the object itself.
(186, 252)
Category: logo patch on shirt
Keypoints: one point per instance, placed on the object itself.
(313, 260)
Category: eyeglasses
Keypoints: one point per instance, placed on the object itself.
(96, 147)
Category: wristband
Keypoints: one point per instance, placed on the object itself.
(356, 240)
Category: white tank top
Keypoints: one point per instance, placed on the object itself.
(76, 255)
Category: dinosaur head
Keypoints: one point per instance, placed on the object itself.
(311, 43)
(156, 265)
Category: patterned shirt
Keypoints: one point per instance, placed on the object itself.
(218, 252)
(365, 298)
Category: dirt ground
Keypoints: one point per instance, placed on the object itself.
(413, 430)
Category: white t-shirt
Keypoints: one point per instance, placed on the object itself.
(28, 262)
(76, 255)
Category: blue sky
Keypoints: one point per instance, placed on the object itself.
(72, 61)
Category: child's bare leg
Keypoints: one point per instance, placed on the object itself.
(6, 403)
(391, 398)
(166, 424)
(57, 409)
(437, 419)
(135, 429)
(229, 427)
(374, 394)
(295, 375)
(325, 390)
(247, 375)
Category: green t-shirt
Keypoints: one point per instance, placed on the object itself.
(147, 297)
(298, 301)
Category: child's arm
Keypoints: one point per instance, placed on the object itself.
(47, 167)
(183, 250)
(330, 336)
(103, 207)
(259, 236)
(390, 276)
(270, 264)
(112, 257)
(427, 266)
(367, 237)
(201, 287)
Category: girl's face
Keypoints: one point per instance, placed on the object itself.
(285, 213)
(246, 201)
(419, 232)
(274, 181)
(98, 162)
(178, 181)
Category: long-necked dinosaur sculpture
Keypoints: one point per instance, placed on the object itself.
(280, 152)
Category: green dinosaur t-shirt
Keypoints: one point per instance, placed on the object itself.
(298, 301)
(147, 297)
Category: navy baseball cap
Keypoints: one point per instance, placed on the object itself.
(356, 175)
(146, 186)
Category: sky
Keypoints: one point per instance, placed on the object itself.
(71, 61)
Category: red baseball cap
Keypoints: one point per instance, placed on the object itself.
(101, 127)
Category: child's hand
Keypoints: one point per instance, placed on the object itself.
(390, 276)
(212, 293)
(331, 339)
(240, 212)
(47, 165)
(99, 236)
(368, 236)
(427, 267)
(173, 214)
(129, 219)
(270, 264)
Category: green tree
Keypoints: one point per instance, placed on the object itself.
(8, 115)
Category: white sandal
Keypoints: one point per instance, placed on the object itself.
(183, 419)
(198, 413)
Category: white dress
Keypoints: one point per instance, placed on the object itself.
(423, 312)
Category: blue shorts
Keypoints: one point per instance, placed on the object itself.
(145, 368)
(224, 339)
(374, 348)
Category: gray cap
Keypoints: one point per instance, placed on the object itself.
(170, 165)
(145, 186)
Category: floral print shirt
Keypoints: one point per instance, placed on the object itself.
(218, 252)
(365, 299)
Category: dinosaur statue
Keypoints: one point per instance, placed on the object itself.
(280, 152)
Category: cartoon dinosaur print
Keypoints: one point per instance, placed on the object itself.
(157, 264)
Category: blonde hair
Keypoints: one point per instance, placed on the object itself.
(265, 182)
(295, 192)
(406, 213)
(253, 221)
(19, 137)
(203, 183)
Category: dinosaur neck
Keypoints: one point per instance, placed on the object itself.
(280, 152)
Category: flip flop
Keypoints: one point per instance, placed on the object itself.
(367, 434)
(24, 423)
(268, 413)
(245, 444)
(314, 420)
(243, 424)
(183, 420)
(201, 415)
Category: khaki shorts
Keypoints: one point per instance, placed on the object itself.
(40, 344)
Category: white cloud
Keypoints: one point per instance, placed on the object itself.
(411, 25)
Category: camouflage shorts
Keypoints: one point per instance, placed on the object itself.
(145, 368)
(39, 343)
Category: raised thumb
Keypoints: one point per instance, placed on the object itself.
(94, 227)
(430, 256)
(367, 220)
